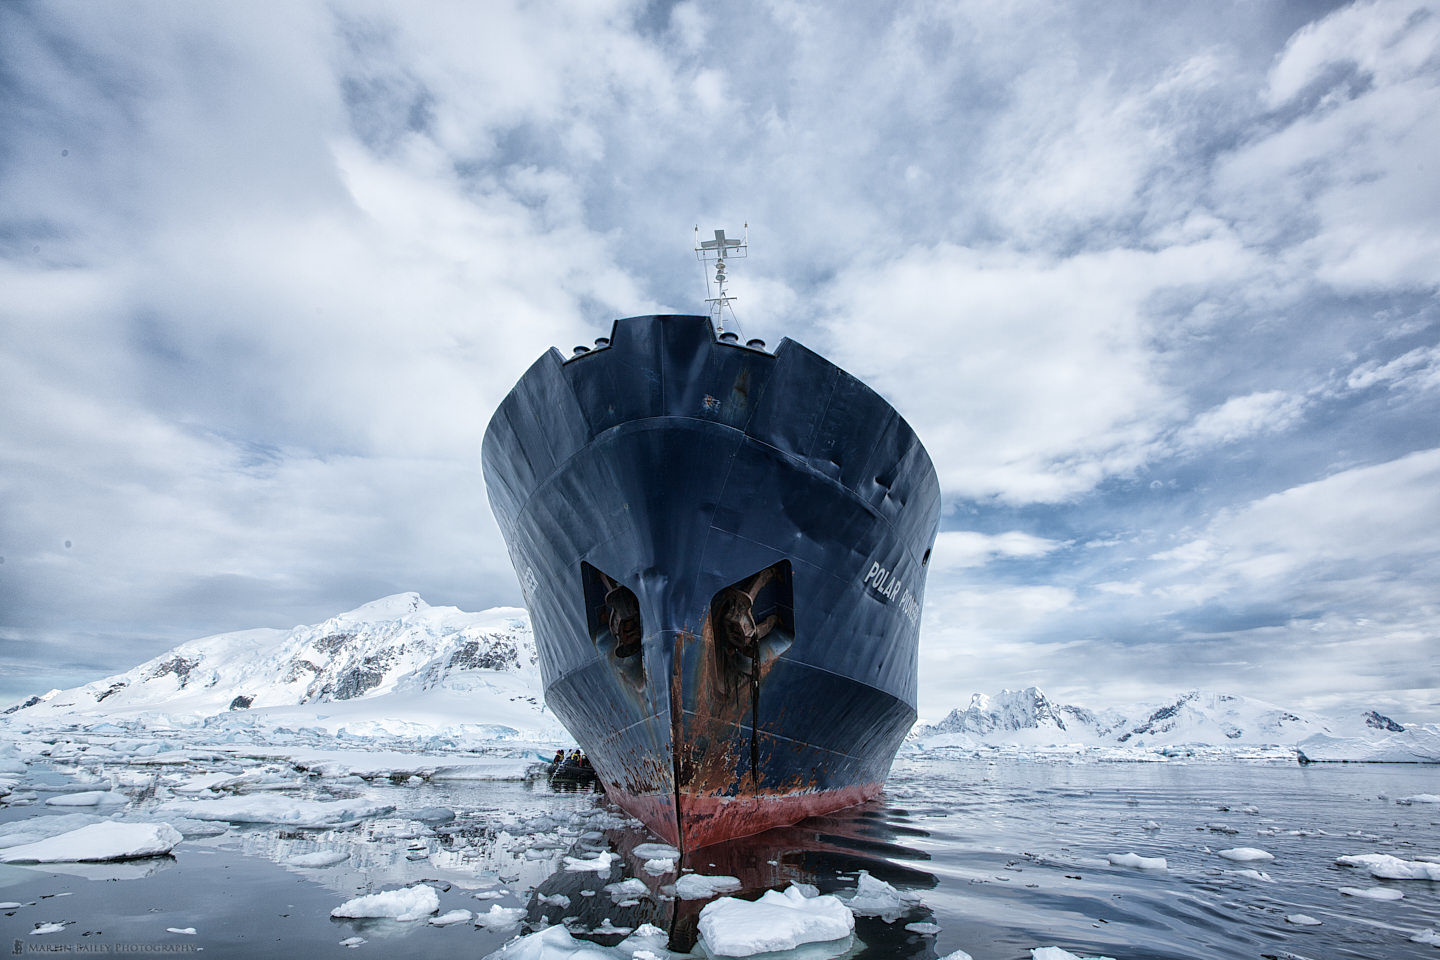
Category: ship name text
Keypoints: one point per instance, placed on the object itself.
(887, 585)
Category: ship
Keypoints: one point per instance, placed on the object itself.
(723, 551)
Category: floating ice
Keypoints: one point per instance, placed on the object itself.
(88, 798)
(923, 927)
(353, 942)
(1149, 825)
(626, 889)
(600, 863)
(659, 866)
(1427, 936)
(697, 886)
(1056, 953)
(1248, 874)
(453, 916)
(407, 903)
(186, 931)
(656, 851)
(779, 920)
(1421, 798)
(321, 858)
(11, 905)
(1373, 893)
(38, 828)
(1137, 861)
(553, 900)
(97, 842)
(1244, 854)
(957, 955)
(47, 928)
(1302, 920)
(554, 943)
(606, 927)
(876, 898)
(271, 808)
(498, 917)
(1383, 866)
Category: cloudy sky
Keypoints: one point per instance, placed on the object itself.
(1156, 285)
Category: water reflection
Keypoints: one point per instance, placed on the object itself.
(826, 852)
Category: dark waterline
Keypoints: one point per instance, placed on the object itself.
(1005, 856)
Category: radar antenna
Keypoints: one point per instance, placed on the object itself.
(717, 251)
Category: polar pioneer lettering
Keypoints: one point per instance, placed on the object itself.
(888, 585)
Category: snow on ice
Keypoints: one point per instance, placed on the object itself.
(779, 920)
(407, 903)
(453, 916)
(498, 917)
(97, 842)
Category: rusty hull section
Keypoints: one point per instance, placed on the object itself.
(761, 522)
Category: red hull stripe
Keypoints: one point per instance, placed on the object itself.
(707, 820)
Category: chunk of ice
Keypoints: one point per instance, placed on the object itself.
(779, 920)
(498, 917)
(600, 863)
(1383, 866)
(1244, 854)
(407, 903)
(1302, 920)
(273, 808)
(697, 886)
(1056, 953)
(1373, 893)
(659, 866)
(98, 842)
(1136, 861)
(41, 928)
(656, 851)
(186, 931)
(876, 898)
(321, 858)
(452, 916)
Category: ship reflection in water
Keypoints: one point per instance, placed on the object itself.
(826, 852)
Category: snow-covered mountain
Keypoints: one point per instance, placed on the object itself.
(397, 659)
(1029, 718)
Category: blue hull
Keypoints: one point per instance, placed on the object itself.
(723, 553)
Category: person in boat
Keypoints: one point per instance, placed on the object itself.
(559, 758)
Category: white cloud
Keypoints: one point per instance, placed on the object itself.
(1039, 379)
(955, 549)
(1269, 411)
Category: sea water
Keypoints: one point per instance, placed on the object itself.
(995, 858)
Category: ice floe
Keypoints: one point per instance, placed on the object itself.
(1246, 854)
(874, 897)
(407, 903)
(1136, 861)
(779, 920)
(1384, 866)
(272, 808)
(107, 840)
(451, 916)
(498, 917)
(600, 863)
(1427, 935)
(1057, 953)
(42, 928)
(318, 859)
(659, 866)
(88, 798)
(1373, 893)
(1302, 920)
(183, 931)
(697, 886)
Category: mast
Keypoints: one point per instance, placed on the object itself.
(717, 251)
